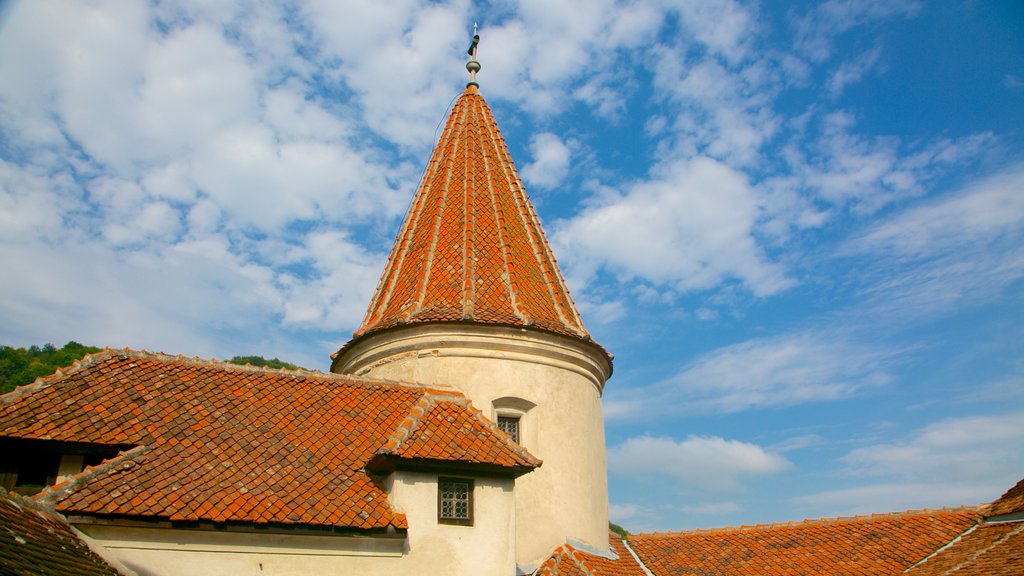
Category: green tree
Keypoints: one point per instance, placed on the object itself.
(618, 529)
(263, 362)
(20, 366)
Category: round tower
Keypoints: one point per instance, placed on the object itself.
(472, 297)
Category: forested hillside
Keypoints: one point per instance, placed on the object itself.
(20, 366)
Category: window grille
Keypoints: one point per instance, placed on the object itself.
(509, 425)
(455, 501)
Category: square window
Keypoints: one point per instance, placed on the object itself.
(509, 425)
(455, 501)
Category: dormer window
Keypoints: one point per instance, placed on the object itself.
(455, 501)
(509, 425)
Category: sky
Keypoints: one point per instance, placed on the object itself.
(799, 226)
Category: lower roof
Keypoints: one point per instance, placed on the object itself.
(35, 540)
(877, 545)
(216, 442)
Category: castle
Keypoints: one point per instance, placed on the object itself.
(460, 432)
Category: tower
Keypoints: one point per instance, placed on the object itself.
(472, 297)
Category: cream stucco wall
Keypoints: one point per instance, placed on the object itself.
(485, 549)
(567, 497)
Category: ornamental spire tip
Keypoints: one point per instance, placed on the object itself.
(473, 66)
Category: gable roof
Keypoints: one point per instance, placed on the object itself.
(1012, 502)
(994, 547)
(34, 540)
(471, 248)
(877, 545)
(568, 560)
(218, 442)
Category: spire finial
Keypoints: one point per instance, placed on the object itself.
(473, 66)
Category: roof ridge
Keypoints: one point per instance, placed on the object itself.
(424, 405)
(60, 373)
(810, 522)
(95, 357)
(124, 460)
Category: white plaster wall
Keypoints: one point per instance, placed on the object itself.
(484, 549)
(567, 497)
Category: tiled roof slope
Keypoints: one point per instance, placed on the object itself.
(452, 430)
(471, 247)
(993, 548)
(1010, 503)
(569, 561)
(225, 443)
(988, 550)
(878, 545)
(36, 542)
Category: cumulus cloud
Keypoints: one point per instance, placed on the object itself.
(761, 373)
(707, 462)
(690, 227)
(550, 164)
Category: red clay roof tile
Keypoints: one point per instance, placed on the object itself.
(878, 545)
(988, 550)
(471, 247)
(35, 540)
(569, 561)
(225, 443)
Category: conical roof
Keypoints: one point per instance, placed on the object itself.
(471, 248)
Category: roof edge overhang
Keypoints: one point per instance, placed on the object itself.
(583, 355)
(126, 521)
(388, 463)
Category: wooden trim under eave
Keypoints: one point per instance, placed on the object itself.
(387, 463)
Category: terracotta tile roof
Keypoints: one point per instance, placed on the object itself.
(569, 561)
(993, 548)
(225, 443)
(877, 545)
(1010, 503)
(988, 550)
(452, 430)
(471, 247)
(36, 541)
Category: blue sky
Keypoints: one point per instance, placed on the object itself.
(798, 226)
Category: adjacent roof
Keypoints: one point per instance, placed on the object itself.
(1012, 502)
(568, 560)
(35, 541)
(993, 548)
(223, 443)
(471, 247)
(877, 545)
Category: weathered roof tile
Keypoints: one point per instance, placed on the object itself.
(878, 545)
(225, 443)
(471, 247)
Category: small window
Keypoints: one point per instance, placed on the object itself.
(509, 425)
(455, 501)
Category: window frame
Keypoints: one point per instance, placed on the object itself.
(511, 418)
(441, 519)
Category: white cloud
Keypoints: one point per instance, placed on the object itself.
(707, 462)
(965, 448)
(779, 371)
(690, 227)
(961, 248)
(966, 460)
(818, 29)
(853, 70)
(551, 159)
